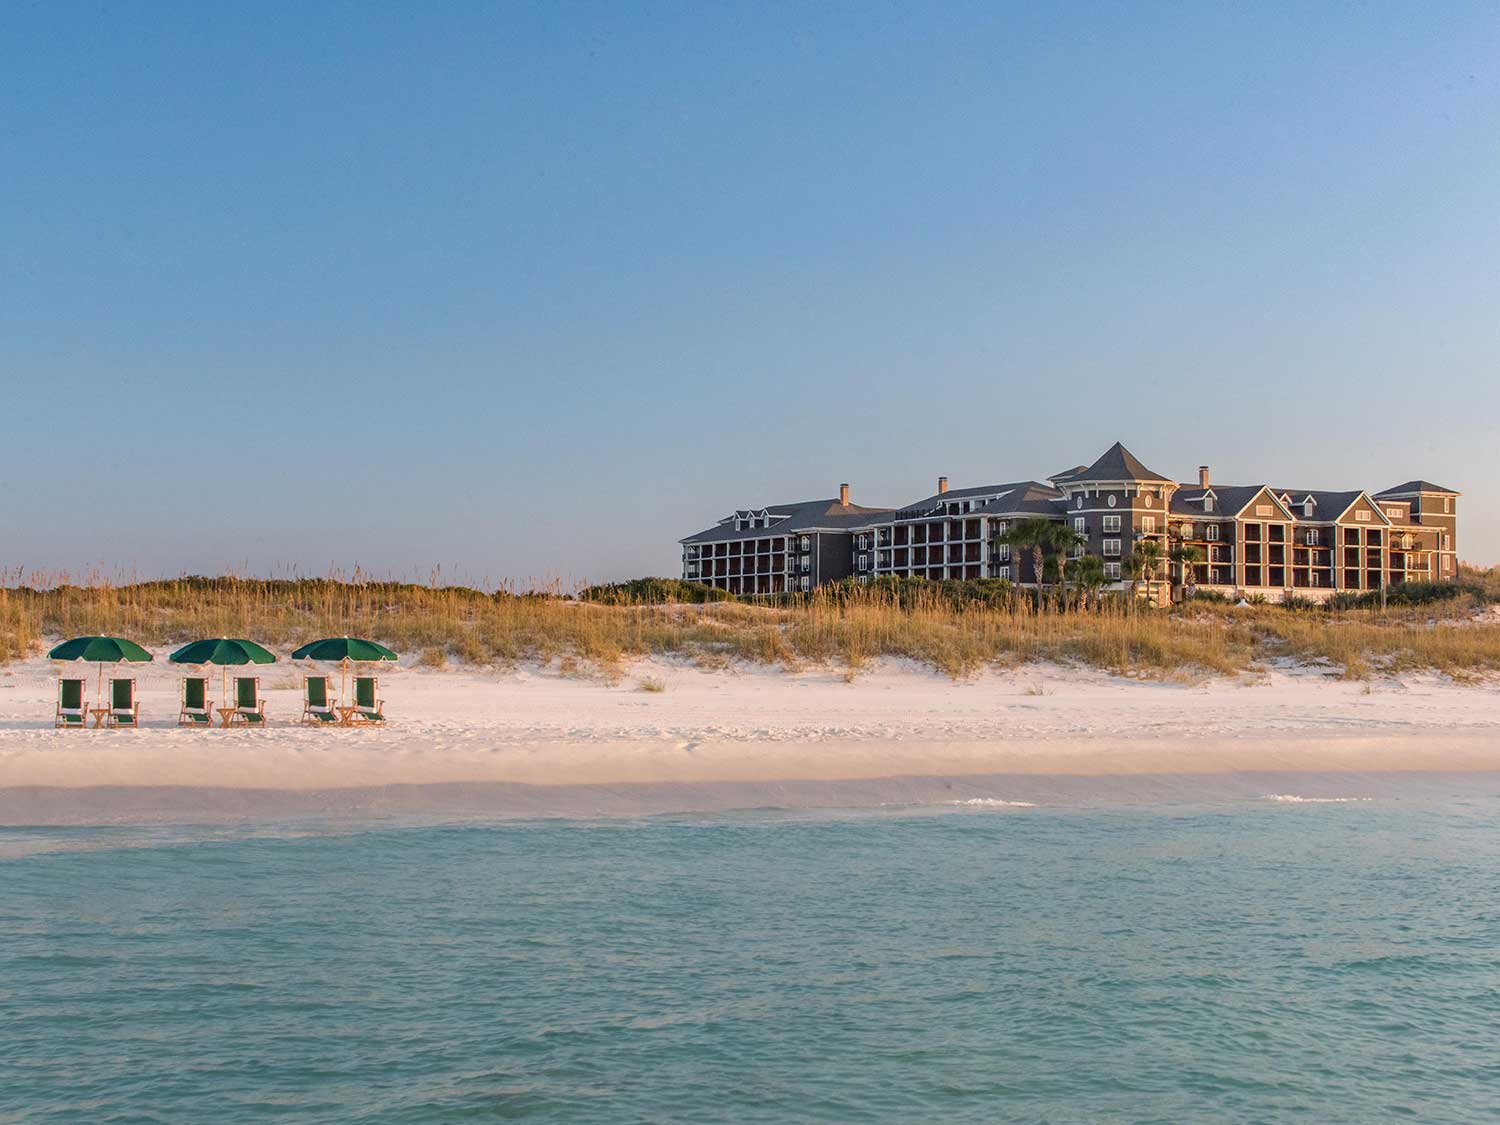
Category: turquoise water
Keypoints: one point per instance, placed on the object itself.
(1254, 961)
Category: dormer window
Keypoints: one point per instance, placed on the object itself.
(1307, 509)
(1208, 503)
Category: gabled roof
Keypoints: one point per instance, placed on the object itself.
(1412, 487)
(1026, 498)
(1229, 499)
(1327, 505)
(1117, 463)
(955, 494)
(803, 515)
(1006, 496)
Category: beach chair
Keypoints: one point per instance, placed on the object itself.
(195, 709)
(124, 707)
(316, 706)
(367, 704)
(72, 710)
(249, 706)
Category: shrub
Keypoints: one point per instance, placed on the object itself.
(654, 591)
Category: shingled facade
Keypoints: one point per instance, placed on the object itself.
(1253, 539)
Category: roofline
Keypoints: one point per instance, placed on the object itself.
(1363, 495)
(1271, 492)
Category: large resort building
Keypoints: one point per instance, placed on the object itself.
(1257, 539)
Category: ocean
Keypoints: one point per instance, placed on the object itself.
(1263, 959)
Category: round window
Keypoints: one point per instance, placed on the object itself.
(1111, 501)
(1148, 501)
(1079, 502)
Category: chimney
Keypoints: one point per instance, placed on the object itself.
(942, 485)
(844, 495)
(1202, 476)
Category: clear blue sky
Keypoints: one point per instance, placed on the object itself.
(534, 291)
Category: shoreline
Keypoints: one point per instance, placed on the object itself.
(401, 805)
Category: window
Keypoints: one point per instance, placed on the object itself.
(864, 542)
(864, 562)
(1362, 516)
(1112, 523)
(1264, 510)
(1448, 504)
(1394, 513)
(1313, 577)
(1146, 500)
(806, 582)
(1406, 542)
(1112, 547)
(1314, 537)
(1187, 531)
(1078, 501)
(1112, 570)
(1211, 533)
(1002, 552)
(1080, 525)
(1208, 503)
(1002, 572)
(1112, 500)
(1148, 525)
(1447, 542)
(806, 543)
(806, 564)
(1002, 527)
(1307, 509)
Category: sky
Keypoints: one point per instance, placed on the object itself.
(526, 293)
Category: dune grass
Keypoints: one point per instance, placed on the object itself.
(847, 627)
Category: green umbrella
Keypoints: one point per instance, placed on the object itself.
(224, 651)
(343, 650)
(100, 651)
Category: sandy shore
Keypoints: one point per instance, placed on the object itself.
(539, 727)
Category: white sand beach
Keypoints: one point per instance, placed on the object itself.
(539, 726)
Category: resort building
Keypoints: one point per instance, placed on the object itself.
(1243, 540)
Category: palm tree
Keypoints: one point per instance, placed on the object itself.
(1186, 556)
(1035, 535)
(1133, 565)
(1087, 575)
(1062, 541)
(1144, 561)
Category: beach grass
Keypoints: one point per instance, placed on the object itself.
(845, 627)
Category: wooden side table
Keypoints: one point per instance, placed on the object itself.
(225, 714)
(100, 714)
(346, 715)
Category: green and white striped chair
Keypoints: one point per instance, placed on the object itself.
(72, 710)
(124, 707)
(249, 706)
(195, 709)
(367, 704)
(317, 708)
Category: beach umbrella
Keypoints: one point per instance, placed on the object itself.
(100, 651)
(223, 651)
(344, 650)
